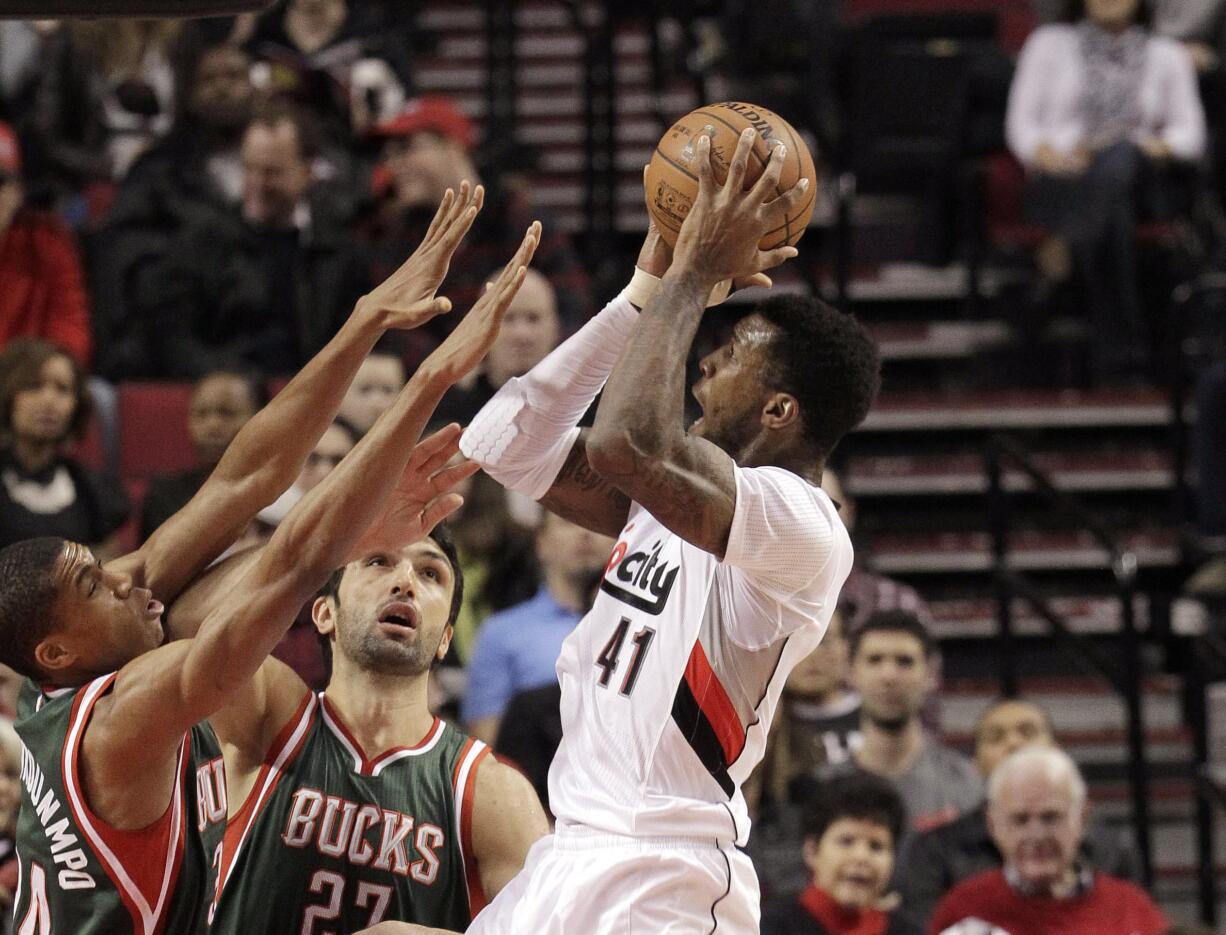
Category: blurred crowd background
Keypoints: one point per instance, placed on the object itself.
(1023, 200)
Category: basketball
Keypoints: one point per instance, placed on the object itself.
(672, 175)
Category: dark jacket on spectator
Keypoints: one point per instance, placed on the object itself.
(167, 495)
(810, 912)
(42, 290)
(940, 859)
(233, 295)
(32, 504)
(166, 192)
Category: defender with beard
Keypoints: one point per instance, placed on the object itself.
(357, 804)
(727, 567)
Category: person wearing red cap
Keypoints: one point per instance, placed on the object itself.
(42, 289)
(428, 148)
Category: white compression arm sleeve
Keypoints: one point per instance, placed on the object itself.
(522, 436)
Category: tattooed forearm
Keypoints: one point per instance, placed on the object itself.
(583, 496)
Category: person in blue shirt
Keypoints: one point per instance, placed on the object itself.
(518, 648)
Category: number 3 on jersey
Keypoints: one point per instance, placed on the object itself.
(608, 658)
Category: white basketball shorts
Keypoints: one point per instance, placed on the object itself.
(580, 882)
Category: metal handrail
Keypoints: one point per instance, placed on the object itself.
(1126, 680)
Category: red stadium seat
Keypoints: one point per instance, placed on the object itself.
(90, 450)
(153, 436)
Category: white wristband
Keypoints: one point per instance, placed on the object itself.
(643, 287)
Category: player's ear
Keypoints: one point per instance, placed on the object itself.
(52, 655)
(781, 410)
(323, 615)
(445, 643)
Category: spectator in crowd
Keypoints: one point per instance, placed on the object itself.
(851, 832)
(195, 172)
(865, 591)
(519, 647)
(529, 331)
(1099, 112)
(43, 492)
(379, 381)
(945, 856)
(266, 287)
(336, 57)
(221, 404)
(42, 290)
(10, 802)
(819, 724)
(891, 668)
(1037, 815)
(427, 149)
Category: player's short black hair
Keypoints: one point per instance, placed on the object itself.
(893, 621)
(827, 360)
(441, 536)
(27, 596)
(859, 795)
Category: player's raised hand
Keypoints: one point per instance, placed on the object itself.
(468, 343)
(719, 238)
(423, 498)
(406, 298)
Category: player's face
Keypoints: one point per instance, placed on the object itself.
(107, 621)
(44, 411)
(730, 390)
(1037, 826)
(824, 670)
(1008, 727)
(852, 861)
(893, 677)
(392, 609)
(220, 407)
(374, 389)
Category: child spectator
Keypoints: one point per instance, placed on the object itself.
(851, 835)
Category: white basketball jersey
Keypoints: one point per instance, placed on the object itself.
(670, 682)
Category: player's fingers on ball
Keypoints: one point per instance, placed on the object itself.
(740, 160)
(706, 178)
(768, 181)
(790, 200)
(768, 259)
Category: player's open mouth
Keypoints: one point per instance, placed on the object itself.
(399, 616)
(154, 608)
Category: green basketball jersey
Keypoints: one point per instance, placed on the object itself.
(330, 840)
(81, 877)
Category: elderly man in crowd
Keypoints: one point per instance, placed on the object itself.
(942, 858)
(1037, 817)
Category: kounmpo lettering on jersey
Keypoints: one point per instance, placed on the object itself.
(640, 579)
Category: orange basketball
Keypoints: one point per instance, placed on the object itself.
(672, 176)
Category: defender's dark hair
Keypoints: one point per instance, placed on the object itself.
(27, 594)
(827, 360)
(441, 536)
(21, 368)
(893, 621)
(861, 796)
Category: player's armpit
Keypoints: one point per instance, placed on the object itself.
(253, 720)
(403, 928)
(507, 820)
(690, 487)
(582, 496)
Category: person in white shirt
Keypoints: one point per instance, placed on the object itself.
(726, 571)
(1102, 113)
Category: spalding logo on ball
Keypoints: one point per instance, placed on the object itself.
(672, 176)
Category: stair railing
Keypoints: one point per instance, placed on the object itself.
(1125, 677)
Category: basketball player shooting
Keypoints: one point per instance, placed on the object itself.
(728, 564)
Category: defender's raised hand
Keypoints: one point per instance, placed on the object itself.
(719, 238)
(406, 298)
(423, 498)
(468, 343)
